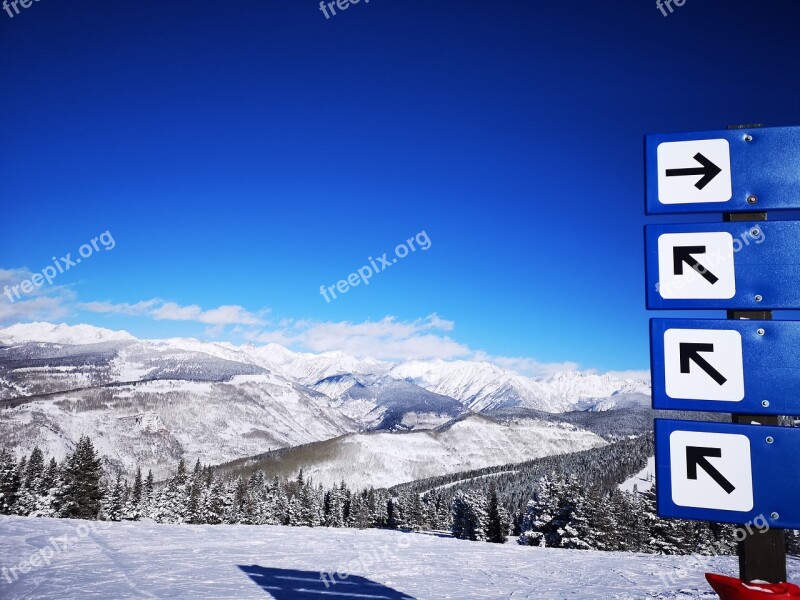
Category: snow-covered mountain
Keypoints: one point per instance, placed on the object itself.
(386, 459)
(482, 386)
(152, 401)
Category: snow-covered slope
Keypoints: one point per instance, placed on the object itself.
(481, 386)
(155, 423)
(150, 402)
(643, 480)
(205, 562)
(387, 459)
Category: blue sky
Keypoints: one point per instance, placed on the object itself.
(243, 154)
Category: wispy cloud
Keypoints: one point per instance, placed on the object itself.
(630, 374)
(526, 366)
(47, 303)
(161, 310)
(386, 339)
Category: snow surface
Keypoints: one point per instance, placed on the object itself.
(146, 560)
(388, 459)
(643, 480)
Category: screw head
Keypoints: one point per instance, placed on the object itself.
(755, 232)
(759, 297)
(765, 403)
(752, 199)
(748, 137)
(775, 516)
(761, 331)
(770, 439)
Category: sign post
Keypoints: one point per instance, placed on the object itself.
(746, 470)
(762, 555)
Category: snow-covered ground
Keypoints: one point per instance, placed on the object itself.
(77, 559)
(643, 480)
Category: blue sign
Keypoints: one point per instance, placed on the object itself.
(728, 473)
(734, 266)
(745, 367)
(743, 170)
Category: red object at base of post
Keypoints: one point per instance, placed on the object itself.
(730, 588)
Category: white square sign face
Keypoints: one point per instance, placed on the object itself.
(711, 470)
(704, 364)
(694, 172)
(696, 266)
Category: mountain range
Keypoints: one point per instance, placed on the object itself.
(150, 402)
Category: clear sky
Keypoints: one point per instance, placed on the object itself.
(243, 154)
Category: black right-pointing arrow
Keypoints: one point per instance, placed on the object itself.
(691, 353)
(683, 254)
(698, 457)
(708, 170)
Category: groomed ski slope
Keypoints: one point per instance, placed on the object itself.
(146, 560)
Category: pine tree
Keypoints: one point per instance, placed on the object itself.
(35, 469)
(497, 526)
(542, 509)
(133, 508)
(574, 517)
(48, 490)
(469, 517)
(214, 504)
(113, 503)
(309, 511)
(9, 482)
(666, 536)
(148, 494)
(30, 482)
(80, 494)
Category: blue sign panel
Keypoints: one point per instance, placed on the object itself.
(728, 473)
(723, 171)
(746, 367)
(734, 266)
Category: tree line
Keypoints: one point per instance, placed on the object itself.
(563, 511)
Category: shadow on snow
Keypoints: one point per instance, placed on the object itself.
(290, 584)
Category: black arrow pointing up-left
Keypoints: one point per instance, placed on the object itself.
(698, 457)
(683, 254)
(708, 171)
(691, 353)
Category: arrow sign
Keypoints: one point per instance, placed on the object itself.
(683, 254)
(691, 353)
(708, 170)
(754, 472)
(698, 457)
(733, 171)
(759, 359)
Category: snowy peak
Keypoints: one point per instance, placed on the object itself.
(478, 386)
(60, 334)
(482, 386)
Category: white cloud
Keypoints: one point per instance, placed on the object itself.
(386, 339)
(171, 311)
(630, 374)
(45, 303)
(138, 309)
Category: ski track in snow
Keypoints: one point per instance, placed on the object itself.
(146, 560)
